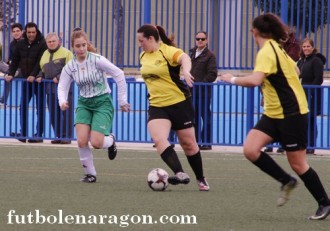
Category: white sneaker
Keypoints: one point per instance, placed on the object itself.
(203, 185)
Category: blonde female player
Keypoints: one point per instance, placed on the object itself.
(94, 112)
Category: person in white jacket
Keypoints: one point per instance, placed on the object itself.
(95, 110)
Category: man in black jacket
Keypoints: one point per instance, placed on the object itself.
(27, 56)
(204, 69)
(17, 33)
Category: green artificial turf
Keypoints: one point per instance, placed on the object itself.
(242, 198)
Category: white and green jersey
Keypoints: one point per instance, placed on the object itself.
(91, 78)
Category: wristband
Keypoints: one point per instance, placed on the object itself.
(233, 80)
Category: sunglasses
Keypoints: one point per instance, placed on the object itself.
(200, 39)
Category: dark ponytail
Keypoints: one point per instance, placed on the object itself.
(271, 26)
(163, 36)
(157, 32)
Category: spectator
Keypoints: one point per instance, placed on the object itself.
(204, 69)
(52, 62)
(170, 105)
(311, 67)
(17, 33)
(95, 111)
(285, 115)
(27, 56)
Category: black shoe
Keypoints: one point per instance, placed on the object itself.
(310, 151)
(280, 150)
(268, 149)
(112, 150)
(35, 140)
(88, 179)
(13, 134)
(206, 147)
(55, 141)
(65, 141)
(179, 178)
(321, 213)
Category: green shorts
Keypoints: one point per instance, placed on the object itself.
(97, 112)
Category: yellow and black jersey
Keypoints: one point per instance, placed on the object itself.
(161, 73)
(283, 93)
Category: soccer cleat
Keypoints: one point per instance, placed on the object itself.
(88, 179)
(286, 191)
(179, 178)
(280, 150)
(321, 213)
(112, 150)
(203, 185)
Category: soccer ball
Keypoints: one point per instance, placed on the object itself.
(157, 179)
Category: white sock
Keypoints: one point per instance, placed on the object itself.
(107, 141)
(86, 160)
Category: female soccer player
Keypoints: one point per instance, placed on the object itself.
(285, 113)
(170, 102)
(94, 112)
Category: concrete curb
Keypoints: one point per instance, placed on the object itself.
(142, 146)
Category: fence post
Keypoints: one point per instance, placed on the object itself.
(250, 109)
(21, 13)
(284, 11)
(147, 11)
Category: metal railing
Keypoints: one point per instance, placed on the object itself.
(234, 109)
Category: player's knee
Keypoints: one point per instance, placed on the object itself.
(299, 168)
(251, 153)
(82, 143)
(97, 144)
(189, 146)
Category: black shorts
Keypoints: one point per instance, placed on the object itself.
(290, 132)
(181, 114)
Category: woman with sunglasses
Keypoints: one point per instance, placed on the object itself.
(170, 103)
(285, 116)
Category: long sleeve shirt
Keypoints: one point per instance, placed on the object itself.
(91, 78)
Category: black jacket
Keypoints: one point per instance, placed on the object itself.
(311, 69)
(12, 48)
(27, 56)
(311, 73)
(204, 67)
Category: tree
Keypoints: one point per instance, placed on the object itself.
(118, 18)
(7, 14)
(306, 15)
